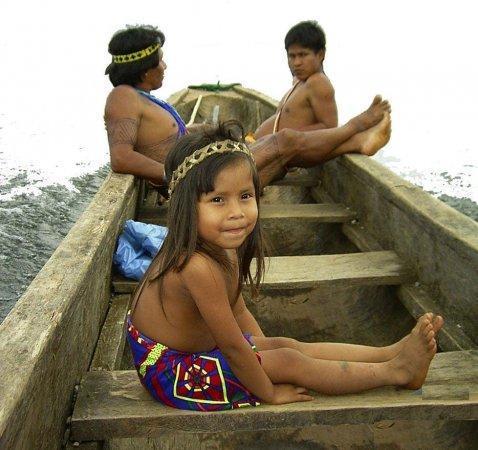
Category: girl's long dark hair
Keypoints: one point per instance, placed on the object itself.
(182, 240)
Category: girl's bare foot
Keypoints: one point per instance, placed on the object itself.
(437, 323)
(412, 363)
(394, 349)
(373, 139)
(372, 115)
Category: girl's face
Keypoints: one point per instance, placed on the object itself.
(228, 214)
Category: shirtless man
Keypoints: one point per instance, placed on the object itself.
(141, 129)
(310, 103)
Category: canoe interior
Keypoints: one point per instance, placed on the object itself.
(250, 110)
(352, 259)
(347, 285)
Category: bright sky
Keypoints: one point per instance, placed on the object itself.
(420, 55)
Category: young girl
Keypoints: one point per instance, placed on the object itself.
(195, 344)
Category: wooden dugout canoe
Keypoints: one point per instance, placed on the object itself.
(357, 254)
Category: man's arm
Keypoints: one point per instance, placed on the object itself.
(122, 119)
(197, 127)
(321, 96)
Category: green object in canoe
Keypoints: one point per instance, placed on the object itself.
(214, 87)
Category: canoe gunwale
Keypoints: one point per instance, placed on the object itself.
(438, 242)
(58, 316)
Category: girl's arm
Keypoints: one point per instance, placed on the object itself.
(246, 321)
(205, 281)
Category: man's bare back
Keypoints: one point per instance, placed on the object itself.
(135, 121)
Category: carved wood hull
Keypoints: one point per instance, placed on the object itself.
(51, 339)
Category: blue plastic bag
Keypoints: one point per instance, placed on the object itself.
(137, 246)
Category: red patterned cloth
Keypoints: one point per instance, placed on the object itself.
(193, 381)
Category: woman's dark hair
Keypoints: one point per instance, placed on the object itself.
(182, 240)
(308, 34)
(129, 40)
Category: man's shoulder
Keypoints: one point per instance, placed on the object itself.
(319, 84)
(122, 98)
(123, 91)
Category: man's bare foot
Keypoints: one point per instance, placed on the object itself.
(412, 363)
(372, 115)
(372, 140)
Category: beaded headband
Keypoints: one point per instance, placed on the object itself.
(140, 54)
(200, 155)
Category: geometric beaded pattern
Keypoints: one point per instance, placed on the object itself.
(200, 155)
(152, 358)
(120, 59)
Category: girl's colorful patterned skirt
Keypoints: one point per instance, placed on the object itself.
(193, 381)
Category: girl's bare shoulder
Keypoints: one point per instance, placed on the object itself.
(201, 268)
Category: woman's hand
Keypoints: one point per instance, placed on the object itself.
(288, 393)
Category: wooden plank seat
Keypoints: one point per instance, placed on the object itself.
(296, 229)
(312, 212)
(299, 272)
(413, 296)
(115, 405)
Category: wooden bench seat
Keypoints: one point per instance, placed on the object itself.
(413, 296)
(115, 405)
(300, 272)
(309, 212)
(295, 229)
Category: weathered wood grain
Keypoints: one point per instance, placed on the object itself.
(110, 346)
(353, 269)
(239, 104)
(115, 405)
(414, 297)
(386, 434)
(47, 340)
(301, 179)
(299, 272)
(440, 243)
(360, 238)
(312, 212)
(302, 229)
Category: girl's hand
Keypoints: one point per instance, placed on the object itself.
(288, 393)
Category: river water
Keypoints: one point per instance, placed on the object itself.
(53, 150)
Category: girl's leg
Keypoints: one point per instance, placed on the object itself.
(331, 350)
(342, 352)
(409, 368)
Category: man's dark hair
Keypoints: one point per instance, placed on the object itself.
(308, 34)
(132, 39)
